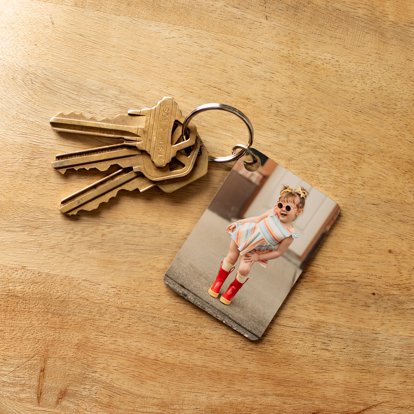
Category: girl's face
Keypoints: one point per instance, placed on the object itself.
(287, 209)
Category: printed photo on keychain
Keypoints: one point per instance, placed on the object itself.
(251, 245)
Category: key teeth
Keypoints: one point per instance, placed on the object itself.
(81, 167)
(80, 116)
(68, 115)
(92, 205)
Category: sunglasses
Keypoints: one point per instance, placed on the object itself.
(288, 207)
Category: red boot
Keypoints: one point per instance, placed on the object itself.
(230, 293)
(218, 283)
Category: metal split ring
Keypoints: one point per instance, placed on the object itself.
(254, 162)
(243, 149)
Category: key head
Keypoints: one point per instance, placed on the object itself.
(199, 170)
(180, 165)
(160, 121)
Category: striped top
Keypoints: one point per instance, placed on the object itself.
(263, 236)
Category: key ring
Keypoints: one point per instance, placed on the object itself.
(251, 164)
(227, 108)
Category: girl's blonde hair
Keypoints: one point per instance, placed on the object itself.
(289, 192)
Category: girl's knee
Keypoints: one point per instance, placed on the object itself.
(244, 268)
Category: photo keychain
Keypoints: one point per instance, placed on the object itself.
(254, 239)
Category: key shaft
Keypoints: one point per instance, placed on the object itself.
(150, 129)
(101, 158)
(92, 196)
(122, 126)
(126, 155)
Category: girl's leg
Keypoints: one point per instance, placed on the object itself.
(232, 255)
(241, 278)
(244, 268)
(226, 267)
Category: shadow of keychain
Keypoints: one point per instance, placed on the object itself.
(254, 239)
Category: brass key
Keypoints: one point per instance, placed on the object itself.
(126, 155)
(103, 190)
(149, 129)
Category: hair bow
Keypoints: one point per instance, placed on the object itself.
(301, 192)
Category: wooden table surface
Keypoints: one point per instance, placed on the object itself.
(87, 325)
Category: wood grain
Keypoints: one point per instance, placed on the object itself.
(87, 325)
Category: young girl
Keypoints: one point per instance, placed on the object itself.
(259, 239)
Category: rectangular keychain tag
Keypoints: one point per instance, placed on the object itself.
(275, 236)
